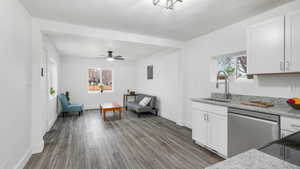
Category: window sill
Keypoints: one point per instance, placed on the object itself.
(91, 92)
(52, 97)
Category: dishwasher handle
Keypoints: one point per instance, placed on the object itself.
(255, 114)
(253, 118)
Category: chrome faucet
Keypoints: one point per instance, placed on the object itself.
(227, 94)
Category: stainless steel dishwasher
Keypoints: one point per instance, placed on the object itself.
(250, 129)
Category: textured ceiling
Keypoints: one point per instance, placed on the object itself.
(188, 20)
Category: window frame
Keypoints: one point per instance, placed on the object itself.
(101, 69)
(213, 68)
(51, 64)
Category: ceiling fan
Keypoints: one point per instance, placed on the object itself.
(110, 56)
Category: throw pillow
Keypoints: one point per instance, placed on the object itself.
(145, 101)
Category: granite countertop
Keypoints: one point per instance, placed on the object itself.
(280, 109)
(253, 159)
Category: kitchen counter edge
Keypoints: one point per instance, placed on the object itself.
(281, 110)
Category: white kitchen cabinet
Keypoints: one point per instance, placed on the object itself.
(265, 47)
(209, 127)
(199, 126)
(290, 124)
(292, 55)
(217, 133)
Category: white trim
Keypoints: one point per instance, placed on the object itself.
(187, 124)
(38, 148)
(55, 27)
(51, 123)
(180, 124)
(210, 149)
(23, 161)
(233, 54)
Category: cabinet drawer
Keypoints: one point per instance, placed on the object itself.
(290, 124)
(220, 110)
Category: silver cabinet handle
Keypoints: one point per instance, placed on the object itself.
(207, 117)
(287, 65)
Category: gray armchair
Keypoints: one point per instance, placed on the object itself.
(139, 109)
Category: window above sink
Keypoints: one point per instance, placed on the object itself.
(234, 64)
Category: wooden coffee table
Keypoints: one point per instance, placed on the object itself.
(105, 107)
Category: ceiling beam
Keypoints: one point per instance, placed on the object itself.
(54, 27)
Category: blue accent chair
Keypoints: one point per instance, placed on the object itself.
(68, 107)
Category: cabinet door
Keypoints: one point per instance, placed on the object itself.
(199, 128)
(293, 42)
(265, 47)
(217, 133)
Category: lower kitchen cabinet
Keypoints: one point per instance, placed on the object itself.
(217, 133)
(210, 129)
(289, 126)
(199, 127)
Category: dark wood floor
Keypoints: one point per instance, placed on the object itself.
(149, 142)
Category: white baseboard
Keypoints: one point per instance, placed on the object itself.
(188, 124)
(21, 164)
(51, 123)
(179, 123)
(38, 148)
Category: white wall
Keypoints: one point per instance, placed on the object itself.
(15, 53)
(165, 85)
(52, 104)
(39, 97)
(75, 80)
(196, 62)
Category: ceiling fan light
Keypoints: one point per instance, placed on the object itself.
(110, 59)
(168, 4)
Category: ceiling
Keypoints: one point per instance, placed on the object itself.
(86, 47)
(188, 20)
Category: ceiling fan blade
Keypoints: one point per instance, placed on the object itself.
(102, 57)
(119, 58)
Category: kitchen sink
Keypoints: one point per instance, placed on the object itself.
(218, 100)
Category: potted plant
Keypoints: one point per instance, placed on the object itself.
(101, 86)
(52, 91)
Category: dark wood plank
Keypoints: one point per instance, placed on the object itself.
(151, 142)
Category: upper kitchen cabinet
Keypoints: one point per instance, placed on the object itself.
(292, 57)
(265, 47)
(274, 45)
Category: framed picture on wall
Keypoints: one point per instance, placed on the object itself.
(150, 72)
